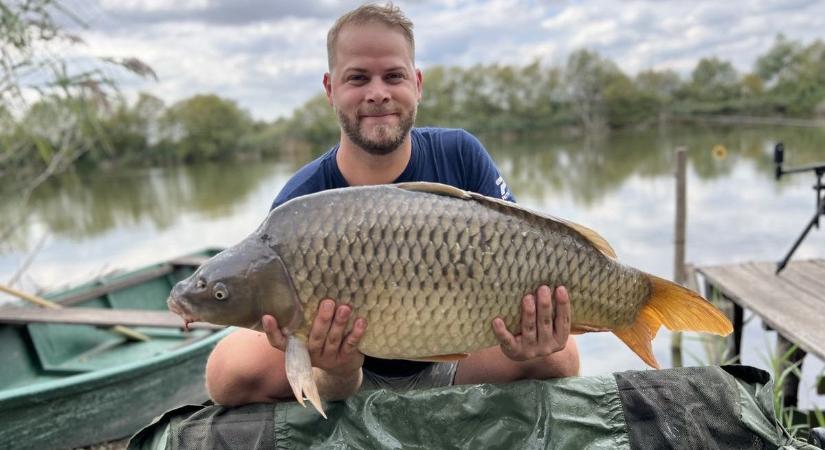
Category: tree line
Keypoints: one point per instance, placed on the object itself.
(589, 93)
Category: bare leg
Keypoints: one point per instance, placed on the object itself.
(244, 368)
(490, 365)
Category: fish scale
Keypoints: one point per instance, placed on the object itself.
(458, 266)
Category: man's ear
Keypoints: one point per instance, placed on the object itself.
(328, 87)
(419, 82)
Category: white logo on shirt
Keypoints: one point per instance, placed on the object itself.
(503, 186)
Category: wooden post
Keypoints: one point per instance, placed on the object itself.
(790, 387)
(738, 324)
(679, 243)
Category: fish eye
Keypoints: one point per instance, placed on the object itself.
(220, 292)
(201, 284)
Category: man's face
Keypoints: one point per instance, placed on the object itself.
(373, 86)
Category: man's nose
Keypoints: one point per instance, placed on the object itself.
(377, 92)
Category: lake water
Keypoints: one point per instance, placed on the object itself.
(621, 185)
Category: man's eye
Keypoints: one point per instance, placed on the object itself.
(356, 78)
(395, 77)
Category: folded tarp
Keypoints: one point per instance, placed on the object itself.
(688, 408)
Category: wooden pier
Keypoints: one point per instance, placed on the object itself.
(792, 303)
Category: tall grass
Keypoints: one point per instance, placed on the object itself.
(797, 422)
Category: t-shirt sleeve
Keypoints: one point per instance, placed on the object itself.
(482, 174)
(307, 180)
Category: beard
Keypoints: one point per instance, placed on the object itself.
(381, 139)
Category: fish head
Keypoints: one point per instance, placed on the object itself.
(237, 287)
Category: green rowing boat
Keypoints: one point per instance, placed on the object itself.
(71, 382)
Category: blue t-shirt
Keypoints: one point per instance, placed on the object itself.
(449, 156)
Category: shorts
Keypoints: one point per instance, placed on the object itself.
(437, 375)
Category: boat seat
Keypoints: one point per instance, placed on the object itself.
(72, 348)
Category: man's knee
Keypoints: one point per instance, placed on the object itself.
(243, 369)
(565, 363)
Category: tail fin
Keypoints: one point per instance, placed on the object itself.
(678, 309)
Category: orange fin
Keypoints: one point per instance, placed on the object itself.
(681, 309)
(678, 309)
(639, 336)
(442, 358)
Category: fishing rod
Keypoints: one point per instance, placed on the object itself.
(819, 171)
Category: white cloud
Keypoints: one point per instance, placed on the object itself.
(153, 5)
(270, 56)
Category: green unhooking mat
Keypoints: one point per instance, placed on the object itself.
(690, 408)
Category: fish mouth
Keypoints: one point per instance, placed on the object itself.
(179, 307)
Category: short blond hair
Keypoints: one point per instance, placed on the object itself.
(388, 14)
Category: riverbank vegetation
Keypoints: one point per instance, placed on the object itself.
(589, 94)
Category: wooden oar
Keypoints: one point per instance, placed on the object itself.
(128, 332)
(101, 317)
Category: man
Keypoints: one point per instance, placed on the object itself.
(374, 88)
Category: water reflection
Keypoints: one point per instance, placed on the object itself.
(590, 168)
(84, 205)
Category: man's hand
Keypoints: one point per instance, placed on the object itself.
(329, 349)
(541, 334)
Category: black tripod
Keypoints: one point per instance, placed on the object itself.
(819, 170)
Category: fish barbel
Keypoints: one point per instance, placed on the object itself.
(429, 266)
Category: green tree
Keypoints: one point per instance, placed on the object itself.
(130, 130)
(438, 103)
(586, 76)
(714, 80)
(661, 86)
(779, 62)
(543, 97)
(794, 74)
(32, 40)
(317, 121)
(626, 104)
(204, 127)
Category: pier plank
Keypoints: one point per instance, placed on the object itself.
(792, 302)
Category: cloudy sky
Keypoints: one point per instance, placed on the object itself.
(269, 56)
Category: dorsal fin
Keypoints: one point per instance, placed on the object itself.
(434, 188)
(443, 189)
(589, 235)
(595, 238)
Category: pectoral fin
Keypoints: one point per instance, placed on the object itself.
(299, 373)
(579, 328)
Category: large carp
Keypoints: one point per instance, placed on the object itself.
(429, 266)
